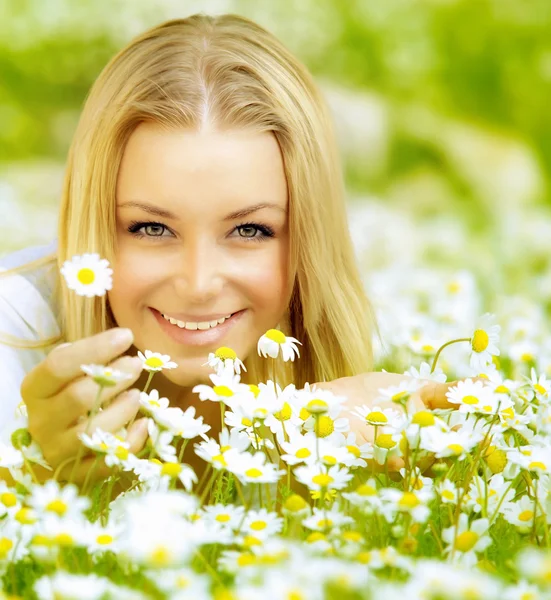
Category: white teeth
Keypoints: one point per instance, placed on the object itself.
(194, 326)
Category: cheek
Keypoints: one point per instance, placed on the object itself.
(133, 279)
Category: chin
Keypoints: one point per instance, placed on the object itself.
(184, 377)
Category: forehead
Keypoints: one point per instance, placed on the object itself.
(206, 166)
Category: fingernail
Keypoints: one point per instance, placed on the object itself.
(121, 337)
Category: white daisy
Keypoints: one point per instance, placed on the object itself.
(424, 372)
(252, 468)
(521, 513)
(225, 359)
(467, 540)
(10, 457)
(273, 341)
(317, 477)
(150, 402)
(326, 519)
(484, 342)
(227, 389)
(88, 275)
(469, 395)
(65, 502)
(105, 376)
(227, 515)
(401, 392)
(154, 361)
(262, 524)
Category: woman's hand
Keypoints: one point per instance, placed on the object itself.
(364, 389)
(59, 396)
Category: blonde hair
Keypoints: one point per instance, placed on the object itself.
(231, 72)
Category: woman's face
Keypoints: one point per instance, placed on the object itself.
(202, 233)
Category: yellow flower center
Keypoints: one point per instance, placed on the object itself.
(427, 348)
(454, 287)
(508, 413)
(304, 414)
(258, 525)
(384, 440)
(223, 518)
(470, 400)
(364, 557)
(57, 506)
(480, 340)
(400, 396)
(448, 494)
(222, 390)
(104, 539)
(303, 453)
(171, 469)
(219, 458)
(254, 389)
(527, 357)
(536, 465)
(64, 539)
(466, 541)
(423, 418)
(5, 546)
(501, 389)
(497, 461)
(182, 582)
(317, 406)
(324, 426)
(376, 416)
(25, 516)
(154, 362)
(354, 450)
(245, 560)
(329, 460)
(408, 500)
(41, 540)
(294, 503)
(285, 413)
(246, 422)
(253, 473)
(322, 479)
(8, 499)
(224, 353)
(315, 536)
(352, 536)
(457, 449)
(276, 336)
(540, 389)
(86, 276)
(160, 556)
(366, 490)
(525, 515)
(121, 453)
(325, 523)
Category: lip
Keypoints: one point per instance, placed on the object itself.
(199, 337)
(195, 319)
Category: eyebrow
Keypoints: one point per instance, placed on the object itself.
(166, 214)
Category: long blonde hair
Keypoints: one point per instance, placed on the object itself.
(230, 71)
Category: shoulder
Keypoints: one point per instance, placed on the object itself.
(26, 315)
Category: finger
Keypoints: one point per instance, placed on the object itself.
(137, 435)
(119, 413)
(62, 365)
(433, 395)
(80, 396)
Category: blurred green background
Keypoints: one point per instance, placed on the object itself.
(442, 109)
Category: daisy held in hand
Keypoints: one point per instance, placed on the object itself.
(88, 275)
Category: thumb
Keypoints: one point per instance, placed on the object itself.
(137, 435)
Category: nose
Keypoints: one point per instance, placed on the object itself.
(200, 276)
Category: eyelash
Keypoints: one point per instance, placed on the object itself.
(266, 231)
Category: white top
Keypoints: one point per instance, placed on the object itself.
(27, 311)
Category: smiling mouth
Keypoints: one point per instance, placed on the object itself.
(194, 326)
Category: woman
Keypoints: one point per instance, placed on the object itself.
(205, 169)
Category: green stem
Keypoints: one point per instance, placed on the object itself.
(87, 432)
(442, 348)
